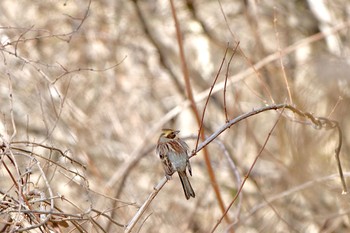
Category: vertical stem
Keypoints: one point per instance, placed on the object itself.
(195, 111)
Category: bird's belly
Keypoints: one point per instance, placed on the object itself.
(178, 162)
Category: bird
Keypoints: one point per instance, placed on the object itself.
(173, 152)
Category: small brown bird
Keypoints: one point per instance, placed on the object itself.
(174, 155)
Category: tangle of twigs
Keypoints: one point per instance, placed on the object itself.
(316, 122)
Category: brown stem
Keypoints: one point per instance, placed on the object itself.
(195, 111)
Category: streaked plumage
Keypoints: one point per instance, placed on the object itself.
(173, 153)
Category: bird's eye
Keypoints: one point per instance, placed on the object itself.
(172, 135)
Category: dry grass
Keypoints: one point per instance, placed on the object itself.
(86, 87)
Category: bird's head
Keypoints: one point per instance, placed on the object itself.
(169, 133)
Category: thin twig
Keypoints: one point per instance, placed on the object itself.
(236, 174)
(281, 61)
(249, 172)
(318, 122)
(266, 89)
(289, 192)
(226, 77)
(209, 94)
(143, 208)
(195, 110)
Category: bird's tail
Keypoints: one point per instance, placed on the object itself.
(186, 185)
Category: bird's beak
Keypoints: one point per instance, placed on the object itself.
(177, 131)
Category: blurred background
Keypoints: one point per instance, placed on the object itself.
(98, 80)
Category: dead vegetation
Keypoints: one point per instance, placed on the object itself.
(87, 86)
